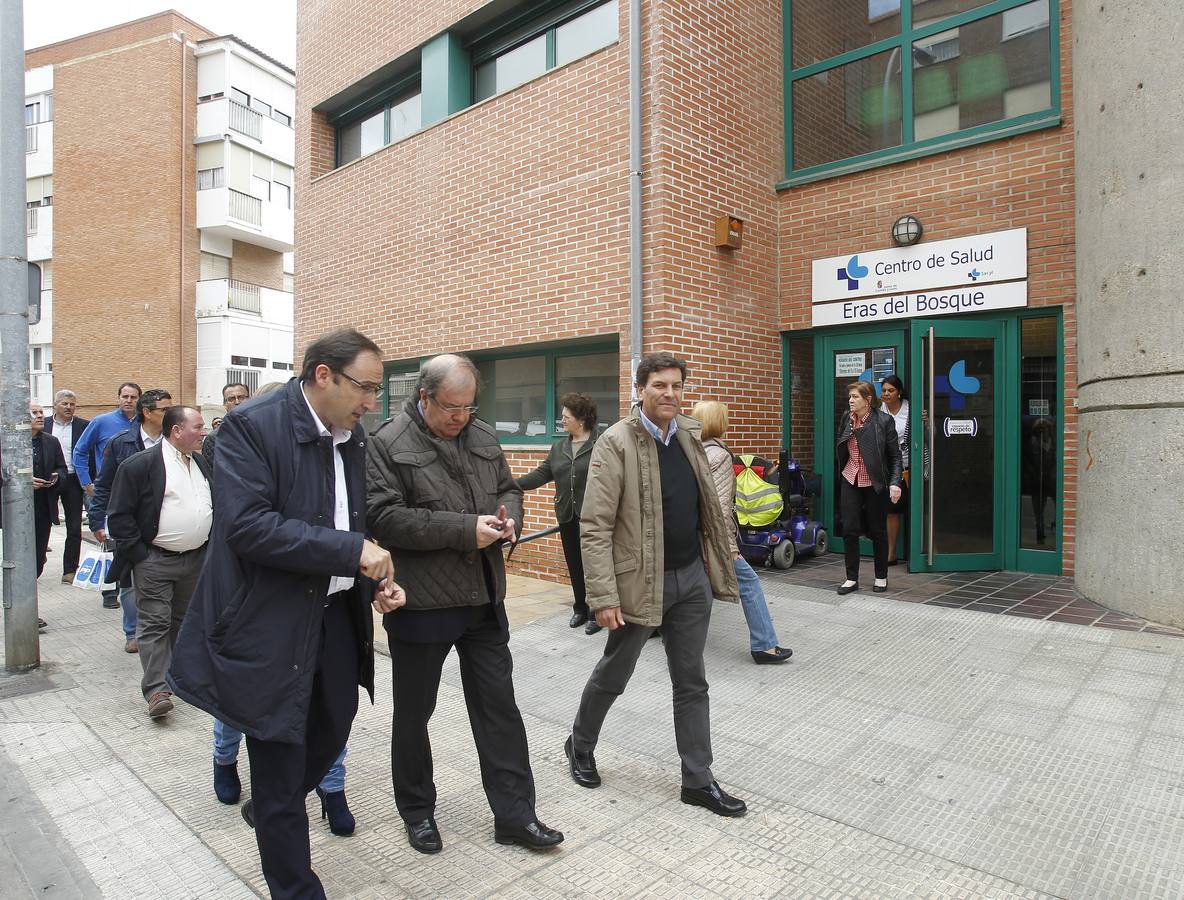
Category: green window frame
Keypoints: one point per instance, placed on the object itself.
(551, 354)
(900, 46)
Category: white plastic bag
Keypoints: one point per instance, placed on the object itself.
(94, 568)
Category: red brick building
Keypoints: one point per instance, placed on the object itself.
(464, 173)
(160, 237)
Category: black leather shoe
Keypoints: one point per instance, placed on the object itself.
(577, 619)
(424, 836)
(248, 810)
(110, 603)
(771, 657)
(582, 766)
(592, 627)
(849, 589)
(534, 835)
(227, 787)
(879, 589)
(715, 799)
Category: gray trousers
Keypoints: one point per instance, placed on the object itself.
(164, 584)
(686, 613)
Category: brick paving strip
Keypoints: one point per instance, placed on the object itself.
(1008, 593)
(906, 751)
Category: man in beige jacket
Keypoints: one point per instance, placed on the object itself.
(656, 550)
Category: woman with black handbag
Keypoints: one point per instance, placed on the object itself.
(870, 481)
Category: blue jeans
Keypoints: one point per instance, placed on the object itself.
(127, 599)
(761, 634)
(227, 739)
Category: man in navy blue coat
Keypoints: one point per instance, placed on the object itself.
(279, 632)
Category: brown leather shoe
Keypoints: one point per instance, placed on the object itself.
(67, 578)
(160, 704)
(131, 645)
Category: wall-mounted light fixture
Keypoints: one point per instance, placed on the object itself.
(906, 231)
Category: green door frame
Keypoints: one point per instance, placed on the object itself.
(855, 338)
(906, 338)
(995, 329)
(1047, 562)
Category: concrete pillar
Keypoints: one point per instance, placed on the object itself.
(1128, 77)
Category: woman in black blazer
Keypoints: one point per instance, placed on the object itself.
(567, 466)
(869, 462)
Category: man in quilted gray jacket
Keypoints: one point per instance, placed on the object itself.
(441, 499)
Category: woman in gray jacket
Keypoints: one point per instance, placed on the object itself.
(762, 637)
(567, 466)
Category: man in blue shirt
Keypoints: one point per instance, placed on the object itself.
(95, 438)
(100, 430)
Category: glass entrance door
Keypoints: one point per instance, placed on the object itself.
(845, 358)
(959, 380)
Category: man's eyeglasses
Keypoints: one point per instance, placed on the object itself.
(375, 389)
(455, 410)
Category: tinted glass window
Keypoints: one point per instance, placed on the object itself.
(583, 34)
(847, 111)
(598, 375)
(515, 395)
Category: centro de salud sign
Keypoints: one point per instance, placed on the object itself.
(969, 274)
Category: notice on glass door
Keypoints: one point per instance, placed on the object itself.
(850, 365)
(883, 363)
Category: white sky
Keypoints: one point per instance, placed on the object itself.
(269, 25)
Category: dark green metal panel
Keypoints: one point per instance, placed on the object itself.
(446, 78)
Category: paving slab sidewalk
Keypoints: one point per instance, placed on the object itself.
(905, 751)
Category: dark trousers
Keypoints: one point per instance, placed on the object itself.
(857, 506)
(486, 670)
(569, 534)
(72, 495)
(283, 774)
(686, 613)
(164, 585)
(41, 526)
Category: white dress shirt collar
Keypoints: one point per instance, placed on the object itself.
(340, 488)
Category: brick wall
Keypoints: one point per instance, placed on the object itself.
(257, 265)
(715, 147)
(501, 227)
(125, 237)
(121, 35)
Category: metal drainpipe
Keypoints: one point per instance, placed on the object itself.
(181, 231)
(635, 232)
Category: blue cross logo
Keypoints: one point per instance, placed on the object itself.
(852, 272)
(957, 385)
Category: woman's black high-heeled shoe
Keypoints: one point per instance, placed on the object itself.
(334, 807)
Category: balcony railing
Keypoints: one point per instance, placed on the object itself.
(31, 220)
(249, 377)
(246, 121)
(246, 208)
(244, 296)
(30, 138)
